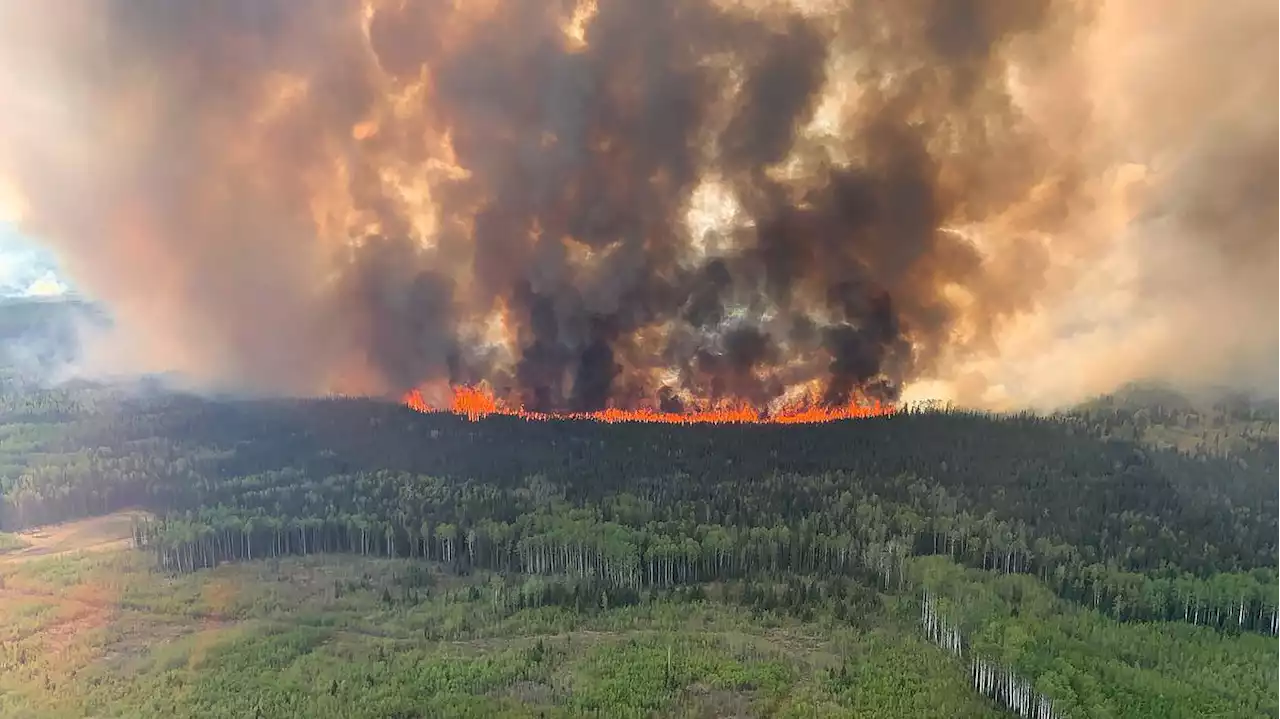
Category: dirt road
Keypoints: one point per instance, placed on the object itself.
(96, 534)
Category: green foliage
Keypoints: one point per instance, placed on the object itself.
(669, 655)
(1077, 552)
(864, 686)
(1093, 666)
(11, 542)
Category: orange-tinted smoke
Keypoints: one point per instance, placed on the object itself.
(612, 205)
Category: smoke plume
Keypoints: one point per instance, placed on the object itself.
(600, 203)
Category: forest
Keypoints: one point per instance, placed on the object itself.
(1046, 565)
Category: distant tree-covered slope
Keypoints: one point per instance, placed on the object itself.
(39, 336)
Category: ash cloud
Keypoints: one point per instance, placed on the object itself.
(367, 197)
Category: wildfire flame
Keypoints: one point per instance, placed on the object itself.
(475, 403)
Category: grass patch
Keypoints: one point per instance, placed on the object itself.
(12, 543)
(317, 637)
(349, 637)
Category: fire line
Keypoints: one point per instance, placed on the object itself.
(476, 403)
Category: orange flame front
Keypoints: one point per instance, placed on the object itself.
(475, 403)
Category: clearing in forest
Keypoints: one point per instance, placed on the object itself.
(96, 534)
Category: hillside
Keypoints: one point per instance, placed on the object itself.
(920, 564)
(1204, 422)
(39, 336)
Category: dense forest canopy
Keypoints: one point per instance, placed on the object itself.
(1146, 508)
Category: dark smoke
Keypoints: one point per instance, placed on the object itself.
(284, 195)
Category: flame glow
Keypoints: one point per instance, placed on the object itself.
(594, 205)
(476, 403)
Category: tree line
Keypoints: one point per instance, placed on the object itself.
(1136, 532)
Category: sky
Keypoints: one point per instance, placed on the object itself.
(26, 268)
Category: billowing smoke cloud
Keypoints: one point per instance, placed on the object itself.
(1172, 271)
(647, 203)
